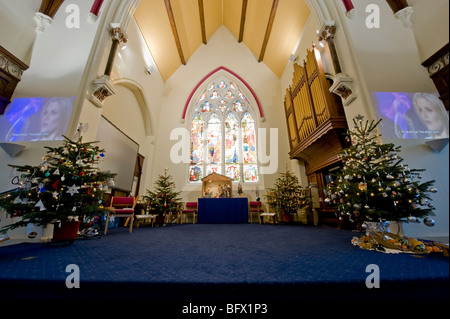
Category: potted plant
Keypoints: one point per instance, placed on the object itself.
(288, 196)
(65, 189)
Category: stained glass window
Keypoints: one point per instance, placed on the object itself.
(222, 105)
(197, 138)
(202, 97)
(238, 106)
(223, 134)
(242, 96)
(249, 148)
(214, 140)
(222, 85)
(229, 95)
(207, 107)
(232, 147)
(215, 95)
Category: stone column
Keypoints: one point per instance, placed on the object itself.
(102, 87)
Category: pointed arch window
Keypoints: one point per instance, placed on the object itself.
(223, 134)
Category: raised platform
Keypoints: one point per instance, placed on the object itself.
(201, 263)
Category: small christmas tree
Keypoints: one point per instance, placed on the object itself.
(288, 196)
(374, 183)
(164, 199)
(67, 185)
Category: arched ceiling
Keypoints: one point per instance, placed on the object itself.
(175, 29)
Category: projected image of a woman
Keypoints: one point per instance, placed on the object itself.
(432, 113)
(49, 123)
(54, 118)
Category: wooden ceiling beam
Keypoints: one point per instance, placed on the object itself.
(175, 31)
(202, 20)
(273, 11)
(50, 7)
(243, 16)
(397, 5)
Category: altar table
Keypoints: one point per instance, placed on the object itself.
(223, 210)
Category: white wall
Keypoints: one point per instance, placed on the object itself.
(57, 63)
(222, 50)
(135, 108)
(64, 61)
(17, 27)
(430, 25)
(59, 57)
(388, 59)
(390, 62)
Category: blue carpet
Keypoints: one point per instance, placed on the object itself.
(219, 262)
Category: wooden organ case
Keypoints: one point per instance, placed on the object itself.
(316, 121)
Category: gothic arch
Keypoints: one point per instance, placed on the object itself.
(227, 72)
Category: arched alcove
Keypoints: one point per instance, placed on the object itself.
(138, 92)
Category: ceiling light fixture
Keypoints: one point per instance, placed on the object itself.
(293, 58)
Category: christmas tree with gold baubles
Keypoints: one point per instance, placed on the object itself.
(376, 185)
(287, 196)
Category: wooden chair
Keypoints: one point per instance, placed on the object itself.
(190, 209)
(122, 207)
(255, 208)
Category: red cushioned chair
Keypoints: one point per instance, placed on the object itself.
(255, 208)
(122, 207)
(190, 209)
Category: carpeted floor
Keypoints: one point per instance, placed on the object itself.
(226, 262)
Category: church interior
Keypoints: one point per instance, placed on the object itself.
(213, 102)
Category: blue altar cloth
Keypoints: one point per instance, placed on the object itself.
(223, 210)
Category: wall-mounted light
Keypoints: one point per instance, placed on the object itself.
(149, 70)
(293, 58)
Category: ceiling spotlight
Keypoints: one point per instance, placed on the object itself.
(293, 58)
(149, 70)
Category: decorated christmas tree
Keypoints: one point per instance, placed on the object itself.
(67, 185)
(287, 196)
(163, 199)
(374, 183)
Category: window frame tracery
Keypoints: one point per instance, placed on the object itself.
(217, 93)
